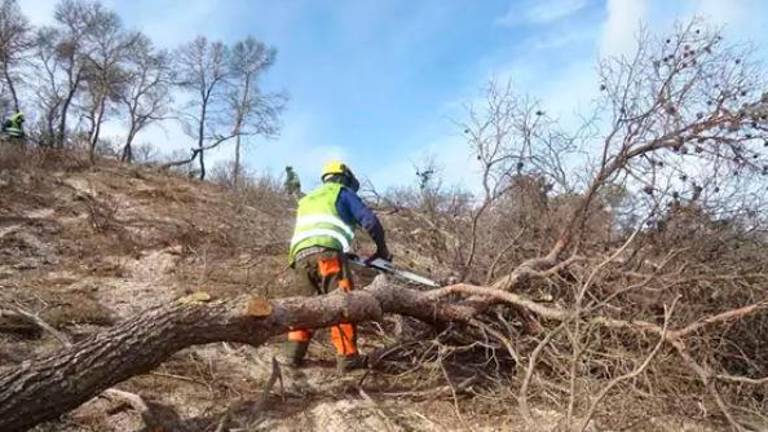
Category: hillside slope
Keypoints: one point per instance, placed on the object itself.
(87, 247)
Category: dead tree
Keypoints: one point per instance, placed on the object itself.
(16, 41)
(253, 112)
(510, 136)
(61, 59)
(105, 78)
(203, 73)
(146, 96)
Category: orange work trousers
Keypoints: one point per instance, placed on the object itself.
(322, 273)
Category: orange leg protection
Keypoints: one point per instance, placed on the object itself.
(345, 285)
(328, 267)
(343, 337)
(299, 335)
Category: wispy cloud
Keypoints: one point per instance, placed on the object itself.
(540, 12)
(39, 12)
(169, 24)
(621, 26)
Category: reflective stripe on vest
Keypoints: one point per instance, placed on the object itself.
(318, 223)
(317, 232)
(310, 220)
(14, 131)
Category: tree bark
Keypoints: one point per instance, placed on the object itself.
(201, 133)
(127, 155)
(61, 134)
(11, 87)
(202, 164)
(236, 168)
(241, 111)
(98, 119)
(46, 387)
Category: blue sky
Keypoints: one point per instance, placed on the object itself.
(377, 82)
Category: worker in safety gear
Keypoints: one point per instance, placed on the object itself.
(325, 223)
(292, 184)
(14, 126)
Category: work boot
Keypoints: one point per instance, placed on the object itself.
(348, 363)
(295, 352)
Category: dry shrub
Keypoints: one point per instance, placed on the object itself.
(11, 155)
(639, 239)
(14, 156)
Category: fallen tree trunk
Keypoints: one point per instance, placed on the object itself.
(44, 388)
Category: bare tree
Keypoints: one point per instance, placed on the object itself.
(61, 55)
(104, 76)
(146, 95)
(203, 72)
(510, 135)
(253, 112)
(16, 41)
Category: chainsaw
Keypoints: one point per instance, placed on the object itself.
(385, 266)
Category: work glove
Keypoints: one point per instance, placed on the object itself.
(351, 256)
(382, 253)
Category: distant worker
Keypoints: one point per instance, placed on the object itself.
(292, 184)
(14, 126)
(325, 223)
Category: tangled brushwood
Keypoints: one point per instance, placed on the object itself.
(647, 293)
(612, 273)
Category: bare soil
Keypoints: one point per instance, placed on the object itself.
(85, 247)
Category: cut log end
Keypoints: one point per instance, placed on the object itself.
(258, 307)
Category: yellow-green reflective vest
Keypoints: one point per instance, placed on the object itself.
(318, 222)
(13, 126)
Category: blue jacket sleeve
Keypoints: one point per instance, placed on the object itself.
(354, 212)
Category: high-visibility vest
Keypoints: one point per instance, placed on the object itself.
(13, 127)
(318, 223)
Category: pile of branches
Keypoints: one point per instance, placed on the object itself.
(647, 228)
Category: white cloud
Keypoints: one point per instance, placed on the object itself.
(564, 38)
(730, 13)
(561, 75)
(746, 20)
(555, 66)
(176, 24)
(624, 21)
(39, 12)
(540, 12)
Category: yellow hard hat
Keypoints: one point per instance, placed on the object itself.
(336, 167)
(333, 168)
